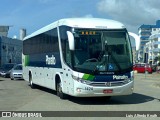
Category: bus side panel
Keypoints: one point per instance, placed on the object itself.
(42, 58)
(26, 73)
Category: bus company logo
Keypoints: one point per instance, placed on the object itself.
(50, 60)
(108, 84)
(118, 77)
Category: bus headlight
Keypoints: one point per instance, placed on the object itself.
(81, 80)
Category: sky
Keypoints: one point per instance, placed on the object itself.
(35, 14)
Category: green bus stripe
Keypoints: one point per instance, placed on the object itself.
(88, 77)
(26, 63)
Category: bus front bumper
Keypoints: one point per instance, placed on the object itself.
(82, 90)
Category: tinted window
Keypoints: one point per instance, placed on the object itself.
(8, 66)
(65, 45)
(42, 43)
(18, 67)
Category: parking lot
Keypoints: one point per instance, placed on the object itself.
(16, 95)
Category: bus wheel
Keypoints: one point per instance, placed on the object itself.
(59, 91)
(31, 82)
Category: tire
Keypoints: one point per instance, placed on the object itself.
(12, 78)
(31, 82)
(59, 91)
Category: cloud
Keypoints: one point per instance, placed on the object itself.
(132, 13)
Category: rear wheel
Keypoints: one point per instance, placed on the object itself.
(31, 82)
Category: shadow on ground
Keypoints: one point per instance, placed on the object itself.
(135, 98)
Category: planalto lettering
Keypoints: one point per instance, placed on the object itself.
(50, 60)
(118, 77)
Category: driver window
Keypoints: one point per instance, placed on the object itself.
(81, 53)
(68, 54)
(95, 48)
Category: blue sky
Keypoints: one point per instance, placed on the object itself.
(34, 14)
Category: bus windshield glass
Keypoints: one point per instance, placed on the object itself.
(98, 51)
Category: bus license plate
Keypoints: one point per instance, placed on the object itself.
(108, 91)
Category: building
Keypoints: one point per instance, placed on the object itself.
(145, 31)
(134, 54)
(152, 48)
(10, 49)
(4, 30)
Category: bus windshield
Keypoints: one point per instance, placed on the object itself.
(98, 51)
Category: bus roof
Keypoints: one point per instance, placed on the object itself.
(97, 23)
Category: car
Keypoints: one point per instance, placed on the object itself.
(142, 68)
(5, 69)
(16, 72)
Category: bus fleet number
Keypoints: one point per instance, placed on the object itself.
(89, 88)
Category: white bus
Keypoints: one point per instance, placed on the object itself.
(83, 57)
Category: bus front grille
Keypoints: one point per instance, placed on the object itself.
(108, 84)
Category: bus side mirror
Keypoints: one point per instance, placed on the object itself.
(71, 40)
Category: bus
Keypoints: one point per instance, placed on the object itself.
(81, 57)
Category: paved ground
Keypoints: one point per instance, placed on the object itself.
(18, 96)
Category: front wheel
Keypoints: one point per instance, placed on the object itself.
(59, 91)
